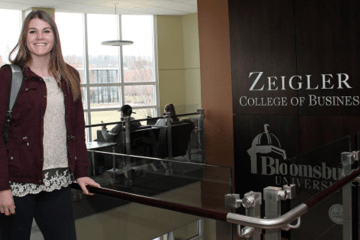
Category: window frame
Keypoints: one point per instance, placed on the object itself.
(121, 83)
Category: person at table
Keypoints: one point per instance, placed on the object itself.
(126, 111)
(169, 108)
(45, 148)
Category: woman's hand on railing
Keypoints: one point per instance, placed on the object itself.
(7, 205)
(86, 181)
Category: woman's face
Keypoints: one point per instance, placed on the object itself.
(40, 38)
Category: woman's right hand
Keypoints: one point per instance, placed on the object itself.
(7, 205)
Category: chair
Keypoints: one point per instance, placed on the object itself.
(180, 133)
(150, 120)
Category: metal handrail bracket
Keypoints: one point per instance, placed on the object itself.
(281, 222)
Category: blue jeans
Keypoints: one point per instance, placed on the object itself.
(52, 211)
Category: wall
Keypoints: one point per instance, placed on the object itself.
(50, 11)
(216, 96)
(216, 91)
(178, 62)
(170, 61)
(306, 53)
(191, 62)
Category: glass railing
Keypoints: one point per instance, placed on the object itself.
(193, 230)
(150, 198)
(313, 172)
(183, 139)
(173, 182)
(318, 202)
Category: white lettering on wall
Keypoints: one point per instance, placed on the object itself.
(296, 82)
(339, 81)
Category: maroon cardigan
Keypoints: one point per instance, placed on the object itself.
(21, 160)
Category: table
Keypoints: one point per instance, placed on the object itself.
(99, 145)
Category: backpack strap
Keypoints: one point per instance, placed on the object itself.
(15, 86)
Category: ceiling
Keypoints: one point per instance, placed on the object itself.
(125, 7)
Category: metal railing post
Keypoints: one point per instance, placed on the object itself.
(170, 236)
(253, 209)
(346, 161)
(201, 137)
(199, 226)
(251, 202)
(355, 200)
(169, 135)
(272, 210)
(169, 144)
(128, 151)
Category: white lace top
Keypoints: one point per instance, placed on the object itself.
(55, 168)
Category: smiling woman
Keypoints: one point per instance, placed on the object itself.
(40, 39)
(46, 147)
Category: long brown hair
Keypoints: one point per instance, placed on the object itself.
(171, 109)
(57, 63)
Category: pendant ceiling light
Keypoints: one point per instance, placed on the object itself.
(116, 42)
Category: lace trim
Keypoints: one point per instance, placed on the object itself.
(54, 179)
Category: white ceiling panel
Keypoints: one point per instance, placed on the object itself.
(105, 10)
(173, 6)
(74, 6)
(13, 5)
(148, 7)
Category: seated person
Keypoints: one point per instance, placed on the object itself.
(126, 111)
(168, 109)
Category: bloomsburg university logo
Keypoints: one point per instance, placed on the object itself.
(269, 159)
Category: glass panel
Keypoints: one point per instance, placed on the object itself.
(312, 172)
(140, 95)
(102, 28)
(184, 109)
(72, 39)
(188, 231)
(138, 58)
(142, 113)
(104, 97)
(356, 192)
(199, 229)
(106, 117)
(191, 184)
(12, 28)
(151, 177)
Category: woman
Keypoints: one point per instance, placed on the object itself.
(46, 143)
(169, 108)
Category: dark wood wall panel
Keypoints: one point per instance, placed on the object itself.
(302, 40)
(327, 42)
(262, 40)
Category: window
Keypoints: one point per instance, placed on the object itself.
(10, 29)
(72, 40)
(111, 76)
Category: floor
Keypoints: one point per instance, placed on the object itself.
(35, 232)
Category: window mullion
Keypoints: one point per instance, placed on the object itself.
(86, 73)
(121, 63)
(156, 65)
